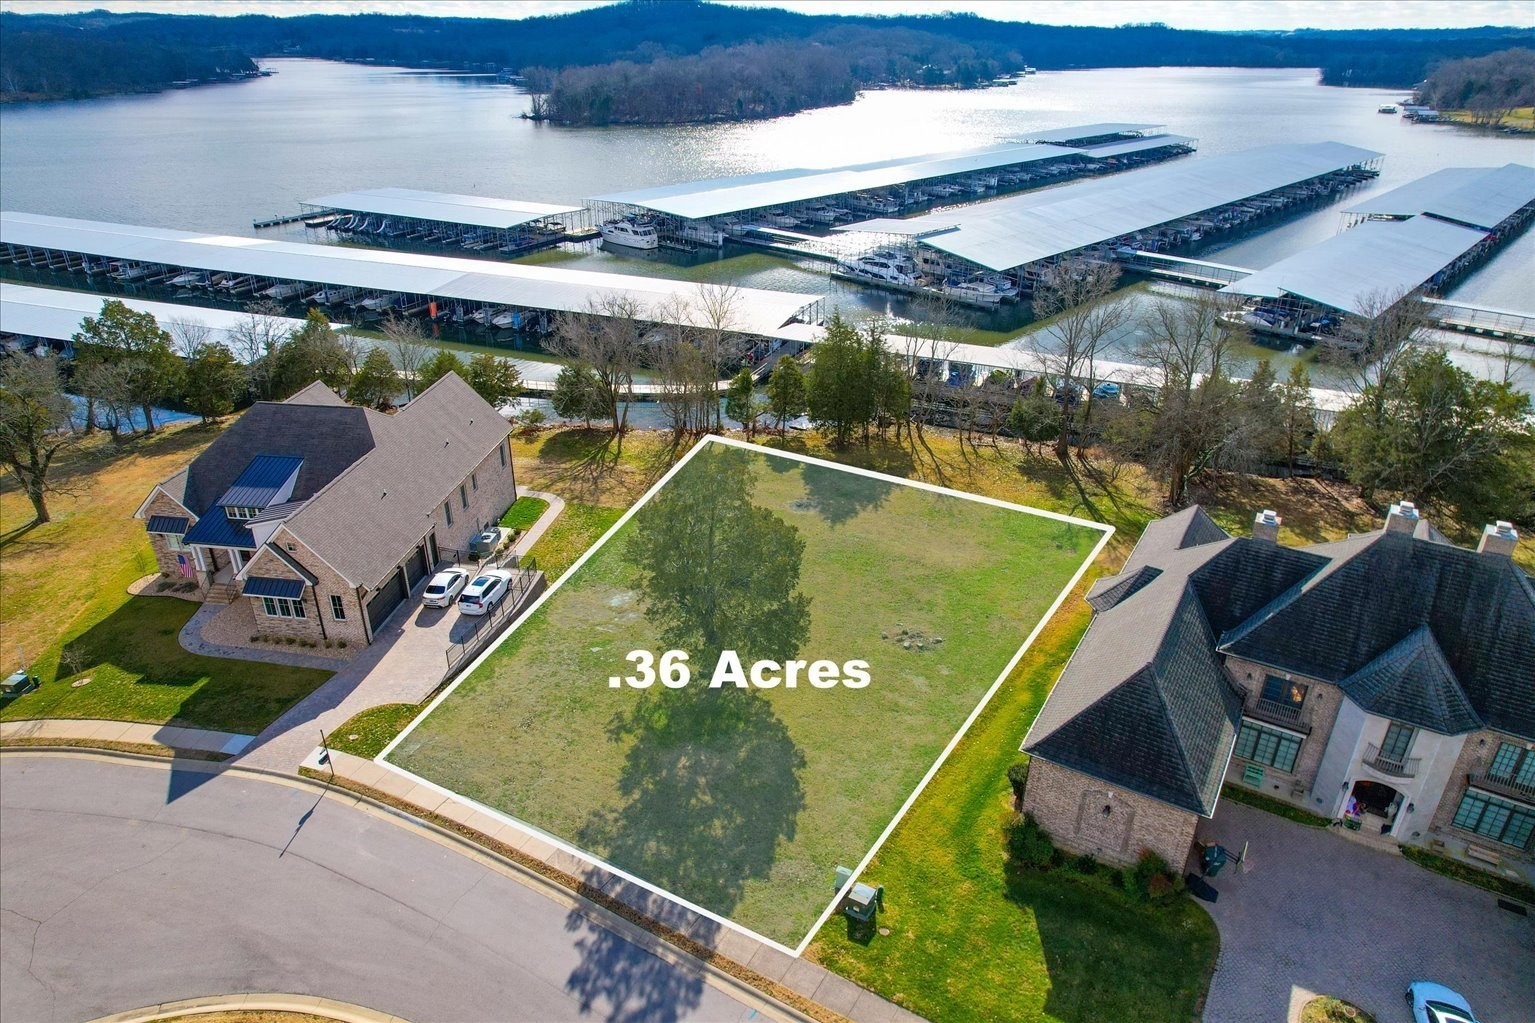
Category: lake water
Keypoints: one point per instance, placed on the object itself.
(217, 157)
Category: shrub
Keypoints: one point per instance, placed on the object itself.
(1018, 776)
(1028, 844)
(1139, 880)
(341, 643)
(1086, 864)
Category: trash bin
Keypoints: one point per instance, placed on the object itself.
(1213, 859)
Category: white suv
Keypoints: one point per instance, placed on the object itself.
(485, 592)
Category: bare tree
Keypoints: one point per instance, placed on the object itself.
(714, 312)
(928, 346)
(1078, 294)
(407, 343)
(610, 338)
(35, 427)
(254, 340)
(187, 336)
(354, 350)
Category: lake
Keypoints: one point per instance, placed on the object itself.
(217, 157)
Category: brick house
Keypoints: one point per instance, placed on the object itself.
(325, 515)
(1386, 681)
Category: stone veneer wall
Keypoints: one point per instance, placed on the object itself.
(165, 558)
(1319, 712)
(1069, 806)
(1475, 757)
(327, 583)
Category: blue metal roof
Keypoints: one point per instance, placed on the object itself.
(175, 524)
(215, 530)
(260, 481)
(261, 586)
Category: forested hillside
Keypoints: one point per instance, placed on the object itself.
(76, 65)
(632, 43)
(1488, 88)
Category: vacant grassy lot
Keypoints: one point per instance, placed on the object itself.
(744, 802)
(63, 596)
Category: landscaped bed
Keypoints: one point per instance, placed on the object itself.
(744, 800)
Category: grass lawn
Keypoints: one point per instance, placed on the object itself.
(63, 594)
(1277, 807)
(367, 733)
(1505, 886)
(744, 801)
(524, 512)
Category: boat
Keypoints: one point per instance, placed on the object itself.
(779, 219)
(507, 318)
(323, 220)
(380, 302)
(973, 290)
(882, 268)
(630, 232)
(1386, 108)
(287, 290)
(334, 295)
(705, 234)
(190, 279)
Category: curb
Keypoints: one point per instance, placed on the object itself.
(344, 1012)
(637, 935)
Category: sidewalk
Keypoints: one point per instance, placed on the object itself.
(126, 731)
(556, 508)
(806, 978)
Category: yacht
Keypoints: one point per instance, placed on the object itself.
(1386, 108)
(882, 268)
(628, 231)
(974, 289)
(704, 233)
(779, 219)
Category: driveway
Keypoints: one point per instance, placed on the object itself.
(124, 885)
(1314, 913)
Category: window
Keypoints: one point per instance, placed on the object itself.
(1493, 818)
(1512, 763)
(1283, 691)
(173, 542)
(502, 448)
(337, 609)
(474, 480)
(240, 513)
(1397, 742)
(282, 607)
(463, 496)
(447, 509)
(1268, 746)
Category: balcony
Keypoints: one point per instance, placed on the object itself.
(1280, 712)
(1396, 767)
(1521, 791)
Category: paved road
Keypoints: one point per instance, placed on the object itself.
(124, 885)
(1317, 914)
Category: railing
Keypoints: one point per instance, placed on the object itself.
(1281, 712)
(525, 579)
(1400, 767)
(1503, 786)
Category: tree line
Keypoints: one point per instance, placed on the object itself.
(53, 65)
(1489, 88)
(879, 49)
(124, 364)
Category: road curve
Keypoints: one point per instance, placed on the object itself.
(125, 884)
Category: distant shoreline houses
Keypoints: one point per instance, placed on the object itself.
(1386, 681)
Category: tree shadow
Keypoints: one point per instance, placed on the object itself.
(638, 987)
(710, 786)
(837, 496)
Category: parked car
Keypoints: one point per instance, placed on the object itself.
(444, 586)
(480, 596)
(1107, 390)
(1069, 393)
(1435, 1003)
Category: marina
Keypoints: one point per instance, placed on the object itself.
(443, 220)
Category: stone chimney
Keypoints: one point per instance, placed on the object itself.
(1266, 526)
(1499, 538)
(1402, 518)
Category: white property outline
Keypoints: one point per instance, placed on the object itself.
(597, 861)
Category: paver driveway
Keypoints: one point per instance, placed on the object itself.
(1313, 913)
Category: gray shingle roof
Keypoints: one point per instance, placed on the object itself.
(1412, 682)
(1191, 527)
(317, 393)
(368, 517)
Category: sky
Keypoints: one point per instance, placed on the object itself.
(1228, 15)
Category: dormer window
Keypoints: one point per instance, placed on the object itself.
(240, 513)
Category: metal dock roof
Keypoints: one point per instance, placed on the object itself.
(756, 311)
(1365, 267)
(54, 314)
(695, 200)
(1085, 131)
(445, 207)
(1005, 233)
(1140, 145)
(1481, 197)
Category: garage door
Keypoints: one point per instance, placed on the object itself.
(416, 566)
(386, 600)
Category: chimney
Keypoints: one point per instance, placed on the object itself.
(1402, 518)
(1499, 538)
(1266, 526)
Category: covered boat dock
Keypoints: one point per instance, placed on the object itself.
(359, 283)
(46, 319)
(507, 227)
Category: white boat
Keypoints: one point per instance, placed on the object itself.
(822, 213)
(703, 233)
(778, 218)
(330, 296)
(506, 318)
(282, 291)
(882, 269)
(630, 232)
(378, 302)
(1386, 108)
(974, 290)
(190, 279)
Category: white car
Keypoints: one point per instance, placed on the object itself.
(444, 586)
(480, 596)
(1435, 1003)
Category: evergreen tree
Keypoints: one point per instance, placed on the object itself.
(311, 353)
(214, 381)
(741, 402)
(376, 383)
(133, 341)
(839, 391)
(578, 394)
(786, 392)
(495, 379)
(1297, 421)
(437, 367)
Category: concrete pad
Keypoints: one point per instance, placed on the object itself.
(805, 977)
(561, 860)
(537, 848)
(425, 798)
(236, 744)
(837, 993)
(112, 731)
(871, 1008)
(465, 814)
(771, 963)
(511, 835)
(732, 944)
